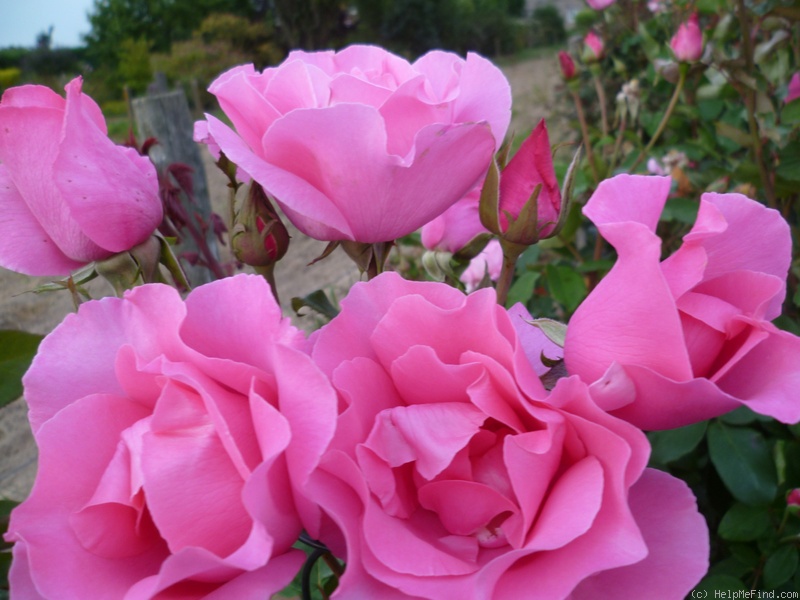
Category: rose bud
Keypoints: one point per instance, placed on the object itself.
(687, 43)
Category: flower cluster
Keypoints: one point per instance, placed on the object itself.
(436, 442)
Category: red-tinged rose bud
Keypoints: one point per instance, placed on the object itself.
(259, 238)
(687, 43)
(593, 48)
(793, 499)
(568, 70)
(793, 89)
(522, 204)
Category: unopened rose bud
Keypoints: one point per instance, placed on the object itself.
(593, 48)
(793, 91)
(793, 499)
(687, 43)
(259, 238)
(568, 70)
(522, 204)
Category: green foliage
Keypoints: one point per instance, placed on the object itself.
(412, 27)
(160, 22)
(310, 24)
(17, 349)
(220, 42)
(547, 26)
(134, 64)
(9, 77)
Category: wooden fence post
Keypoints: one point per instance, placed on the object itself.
(166, 117)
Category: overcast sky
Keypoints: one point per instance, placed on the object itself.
(22, 20)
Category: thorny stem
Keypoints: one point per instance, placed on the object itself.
(750, 103)
(585, 135)
(684, 68)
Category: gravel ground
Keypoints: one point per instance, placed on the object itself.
(533, 84)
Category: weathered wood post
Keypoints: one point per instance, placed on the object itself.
(166, 117)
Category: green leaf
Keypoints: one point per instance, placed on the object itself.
(717, 583)
(780, 566)
(317, 301)
(566, 285)
(17, 349)
(710, 109)
(672, 444)
(744, 463)
(682, 210)
(734, 134)
(791, 113)
(555, 331)
(790, 162)
(522, 289)
(742, 416)
(744, 523)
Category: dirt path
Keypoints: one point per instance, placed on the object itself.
(532, 82)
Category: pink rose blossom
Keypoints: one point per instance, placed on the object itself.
(361, 145)
(68, 195)
(490, 261)
(567, 66)
(793, 498)
(673, 342)
(532, 165)
(167, 434)
(600, 4)
(793, 90)
(454, 474)
(687, 43)
(593, 47)
(456, 227)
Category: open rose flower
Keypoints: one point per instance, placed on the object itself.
(456, 227)
(488, 262)
(600, 4)
(676, 342)
(359, 144)
(68, 194)
(167, 434)
(454, 474)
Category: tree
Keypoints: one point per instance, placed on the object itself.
(160, 22)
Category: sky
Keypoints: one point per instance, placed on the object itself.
(22, 20)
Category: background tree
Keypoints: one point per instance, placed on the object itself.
(160, 22)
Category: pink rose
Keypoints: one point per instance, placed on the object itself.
(600, 4)
(490, 261)
(167, 434)
(594, 49)
(687, 43)
(507, 207)
(676, 342)
(361, 145)
(454, 474)
(69, 196)
(456, 227)
(793, 89)
(567, 65)
(531, 166)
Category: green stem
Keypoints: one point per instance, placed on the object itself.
(585, 134)
(623, 124)
(601, 98)
(750, 103)
(684, 69)
(268, 273)
(511, 252)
